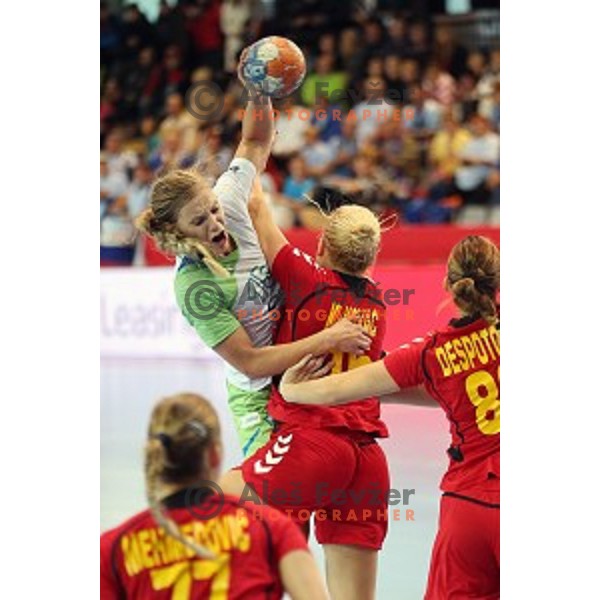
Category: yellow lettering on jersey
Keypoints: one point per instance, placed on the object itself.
(468, 346)
(468, 352)
(131, 554)
(145, 548)
(451, 357)
(464, 364)
(443, 360)
(150, 548)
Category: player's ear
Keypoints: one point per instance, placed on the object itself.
(215, 455)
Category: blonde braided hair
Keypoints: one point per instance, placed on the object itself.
(170, 193)
(352, 236)
(181, 429)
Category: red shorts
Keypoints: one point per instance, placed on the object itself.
(339, 476)
(465, 562)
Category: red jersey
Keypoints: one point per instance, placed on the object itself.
(138, 561)
(315, 298)
(460, 367)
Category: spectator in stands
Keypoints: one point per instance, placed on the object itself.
(397, 42)
(289, 206)
(325, 81)
(409, 77)
(111, 111)
(367, 184)
(213, 157)
(327, 45)
(399, 150)
(374, 40)
(170, 154)
(113, 186)
(447, 53)
(150, 136)
(490, 107)
(297, 184)
(488, 89)
(418, 43)
(439, 85)
(374, 110)
(229, 118)
(141, 84)
(291, 125)
(447, 146)
(392, 72)
(170, 27)
(317, 154)
(177, 117)
(136, 30)
(110, 35)
(423, 115)
(234, 18)
(479, 158)
(493, 184)
(349, 52)
(174, 73)
(203, 24)
(118, 159)
(326, 118)
(467, 99)
(375, 67)
(138, 193)
(346, 147)
(476, 64)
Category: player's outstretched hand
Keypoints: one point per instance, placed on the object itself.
(310, 367)
(346, 336)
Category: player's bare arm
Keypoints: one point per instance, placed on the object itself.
(267, 361)
(298, 384)
(414, 396)
(301, 577)
(257, 130)
(270, 237)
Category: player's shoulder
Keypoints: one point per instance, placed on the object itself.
(107, 538)
(186, 266)
(189, 271)
(239, 175)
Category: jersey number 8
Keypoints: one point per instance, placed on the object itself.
(484, 393)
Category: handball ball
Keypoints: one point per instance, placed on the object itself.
(274, 66)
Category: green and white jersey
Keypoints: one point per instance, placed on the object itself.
(217, 306)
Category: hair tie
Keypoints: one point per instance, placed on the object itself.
(200, 428)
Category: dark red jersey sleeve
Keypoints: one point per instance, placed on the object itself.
(405, 363)
(297, 274)
(286, 535)
(109, 588)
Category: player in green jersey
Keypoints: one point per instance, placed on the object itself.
(222, 283)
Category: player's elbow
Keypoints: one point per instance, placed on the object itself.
(252, 366)
(255, 203)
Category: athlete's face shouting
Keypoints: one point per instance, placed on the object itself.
(202, 218)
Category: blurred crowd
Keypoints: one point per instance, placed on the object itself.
(427, 159)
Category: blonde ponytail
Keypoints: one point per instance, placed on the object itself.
(155, 461)
(182, 428)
